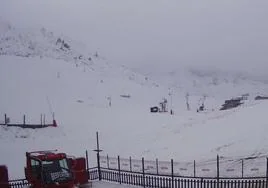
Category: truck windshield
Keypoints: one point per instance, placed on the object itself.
(56, 171)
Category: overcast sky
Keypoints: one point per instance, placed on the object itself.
(155, 34)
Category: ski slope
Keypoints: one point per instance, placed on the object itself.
(38, 77)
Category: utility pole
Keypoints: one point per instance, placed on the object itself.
(98, 156)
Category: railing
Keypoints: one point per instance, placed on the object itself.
(93, 174)
(167, 181)
(19, 183)
(160, 175)
(159, 181)
(226, 167)
(42, 124)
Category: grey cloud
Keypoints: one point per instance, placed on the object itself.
(156, 33)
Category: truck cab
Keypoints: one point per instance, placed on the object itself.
(48, 169)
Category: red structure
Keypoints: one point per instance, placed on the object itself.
(79, 170)
(54, 123)
(49, 169)
(4, 177)
(42, 124)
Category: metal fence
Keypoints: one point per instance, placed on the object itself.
(226, 167)
(42, 124)
(219, 173)
(168, 181)
(19, 183)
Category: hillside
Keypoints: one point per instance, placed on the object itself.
(39, 74)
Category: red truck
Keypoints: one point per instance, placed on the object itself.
(50, 169)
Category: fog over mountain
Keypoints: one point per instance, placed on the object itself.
(155, 35)
(71, 59)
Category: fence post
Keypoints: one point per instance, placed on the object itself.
(108, 164)
(24, 120)
(157, 172)
(267, 172)
(218, 172)
(87, 166)
(143, 173)
(172, 173)
(5, 119)
(194, 169)
(44, 120)
(242, 168)
(130, 164)
(41, 119)
(119, 170)
(99, 168)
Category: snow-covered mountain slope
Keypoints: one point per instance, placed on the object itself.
(39, 75)
(212, 82)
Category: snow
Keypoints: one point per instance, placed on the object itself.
(44, 79)
(102, 184)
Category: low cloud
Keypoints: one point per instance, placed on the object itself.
(156, 34)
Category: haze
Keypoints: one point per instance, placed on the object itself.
(153, 35)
